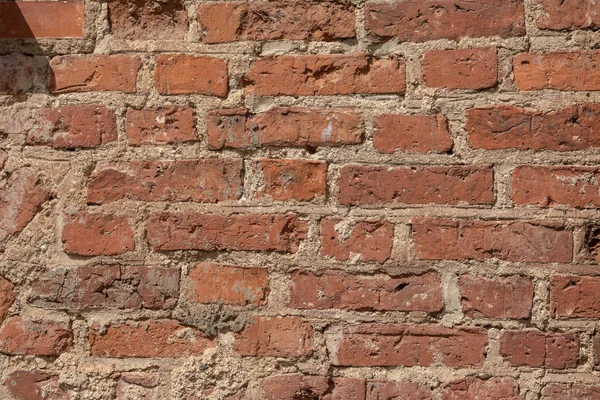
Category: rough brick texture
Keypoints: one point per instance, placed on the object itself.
(445, 19)
(460, 69)
(366, 292)
(398, 345)
(508, 127)
(283, 127)
(500, 298)
(411, 133)
(299, 200)
(325, 75)
(312, 20)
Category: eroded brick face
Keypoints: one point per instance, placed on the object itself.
(299, 200)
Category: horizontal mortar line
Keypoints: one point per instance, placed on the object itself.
(426, 210)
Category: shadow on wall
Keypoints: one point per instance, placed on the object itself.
(23, 66)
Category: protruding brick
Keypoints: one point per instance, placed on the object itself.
(418, 134)
(187, 74)
(96, 234)
(42, 19)
(207, 181)
(502, 298)
(21, 199)
(291, 387)
(293, 127)
(111, 286)
(251, 232)
(275, 337)
(569, 14)
(35, 385)
(452, 185)
(521, 241)
(300, 180)
(365, 240)
(559, 71)
(379, 292)
(534, 348)
(20, 73)
(570, 391)
(369, 345)
(557, 186)
(21, 336)
(142, 19)
(7, 297)
(273, 20)
(508, 127)
(325, 75)
(472, 388)
(228, 284)
(460, 69)
(445, 19)
(154, 338)
(574, 296)
(87, 73)
(160, 125)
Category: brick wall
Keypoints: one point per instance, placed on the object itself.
(292, 200)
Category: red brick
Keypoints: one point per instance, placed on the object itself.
(19, 73)
(508, 127)
(20, 336)
(141, 19)
(42, 19)
(365, 240)
(503, 298)
(300, 180)
(312, 20)
(111, 286)
(569, 14)
(21, 199)
(87, 73)
(418, 134)
(378, 292)
(7, 297)
(521, 241)
(445, 19)
(560, 71)
(292, 127)
(570, 391)
(555, 186)
(154, 338)
(95, 234)
(145, 386)
(161, 125)
(323, 75)
(252, 232)
(294, 387)
(534, 348)
(574, 296)
(228, 284)
(452, 185)
(460, 69)
(370, 345)
(206, 180)
(69, 127)
(187, 74)
(472, 388)
(275, 337)
(35, 385)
